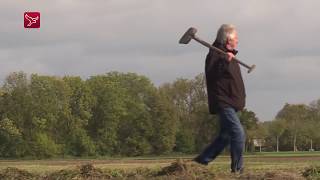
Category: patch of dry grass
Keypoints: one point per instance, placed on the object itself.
(255, 168)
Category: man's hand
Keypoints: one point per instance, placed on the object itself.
(230, 56)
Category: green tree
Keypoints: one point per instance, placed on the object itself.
(195, 126)
(295, 115)
(15, 106)
(136, 126)
(276, 129)
(81, 100)
(314, 126)
(179, 93)
(51, 115)
(10, 139)
(107, 111)
(164, 122)
(249, 122)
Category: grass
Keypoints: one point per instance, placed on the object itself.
(287, 154)
(288, 162)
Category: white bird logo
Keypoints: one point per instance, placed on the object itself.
(31, 19)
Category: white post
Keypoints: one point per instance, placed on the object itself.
(277, 144)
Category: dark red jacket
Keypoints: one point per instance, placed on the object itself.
(225, 85)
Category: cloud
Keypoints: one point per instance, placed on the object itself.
(84, 38)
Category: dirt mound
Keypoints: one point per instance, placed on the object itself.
(86, 171)
(185, 170)
(62, 175)
(312, 172)
(15, 173)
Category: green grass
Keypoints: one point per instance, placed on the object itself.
(287, 153)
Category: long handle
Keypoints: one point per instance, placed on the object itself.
(250, 68)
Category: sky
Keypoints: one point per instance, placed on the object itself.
(85, 38)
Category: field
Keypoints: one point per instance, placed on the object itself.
(284, 165)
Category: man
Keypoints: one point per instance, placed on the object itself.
(226, 96)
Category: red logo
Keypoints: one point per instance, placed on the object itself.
(32, 19)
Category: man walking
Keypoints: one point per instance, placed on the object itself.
(226, 96)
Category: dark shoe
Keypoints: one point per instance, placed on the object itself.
(240, 171)
(198, 160)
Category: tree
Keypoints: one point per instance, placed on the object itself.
(249, 122)
(10, 139)
(205, 125)
(138, 125)
(15, 109)
(276, 129)
(179, 94)
(107, 111)
(81, 100)
(51, 114)
(195, 126)
(164, 120)
(295, 115)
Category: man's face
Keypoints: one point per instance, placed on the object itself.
(232, 42)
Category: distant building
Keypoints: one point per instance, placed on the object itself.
(258, 142)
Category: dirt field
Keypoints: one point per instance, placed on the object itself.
(260, 166)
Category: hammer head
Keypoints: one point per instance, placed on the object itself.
(251, 68)
(188, 35)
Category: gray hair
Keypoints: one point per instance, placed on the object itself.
(225, 32)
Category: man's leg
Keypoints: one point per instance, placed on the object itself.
(217, 146)
(237, 143)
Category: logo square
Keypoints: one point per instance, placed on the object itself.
(31, 19)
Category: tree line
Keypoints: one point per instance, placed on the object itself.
(125, 114)
(295, 128)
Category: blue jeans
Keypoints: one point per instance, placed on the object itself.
(231, 132)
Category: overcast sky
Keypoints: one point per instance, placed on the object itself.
(84, 38)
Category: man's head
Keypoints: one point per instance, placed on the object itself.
(227, 36)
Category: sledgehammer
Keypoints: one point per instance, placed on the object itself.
(191, 34)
